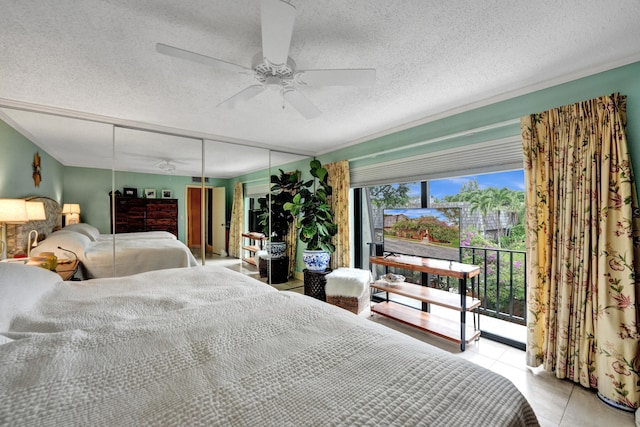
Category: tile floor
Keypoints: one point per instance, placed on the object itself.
(556, 402)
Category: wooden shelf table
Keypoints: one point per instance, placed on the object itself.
(444, 328)
(255, 245)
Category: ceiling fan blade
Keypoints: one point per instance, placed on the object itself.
(347, 77)
(301, 103)
(201, 59)
(277, 28)
(242, 96)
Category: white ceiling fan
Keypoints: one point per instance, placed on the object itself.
(166, 166)
(273, 68)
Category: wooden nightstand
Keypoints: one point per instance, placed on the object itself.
(67, 270)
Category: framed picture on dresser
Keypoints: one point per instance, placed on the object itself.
(150, 193)
(167, 194)
(130, 192)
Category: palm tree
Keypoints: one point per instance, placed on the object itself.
(483, 202)
(494, 200)
(504, 200)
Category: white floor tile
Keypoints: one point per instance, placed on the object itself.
(585, 409)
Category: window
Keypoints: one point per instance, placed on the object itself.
(492, 235)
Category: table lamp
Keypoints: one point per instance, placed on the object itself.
(35, 212)
(12, 211)
(71, 212)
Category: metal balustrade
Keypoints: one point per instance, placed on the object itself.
(502, 285)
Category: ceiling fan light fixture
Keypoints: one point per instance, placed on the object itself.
(167, 166)
(273, 69)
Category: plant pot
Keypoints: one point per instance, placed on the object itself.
(276, 249)
(316, 261)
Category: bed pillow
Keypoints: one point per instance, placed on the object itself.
(70, 240)
(88, 230)
(21, 288)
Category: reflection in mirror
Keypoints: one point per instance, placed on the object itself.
(152, 172)
(232, 172)
(76, 158)
(171, 185)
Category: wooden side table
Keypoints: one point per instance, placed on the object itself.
(314, 283)
(67, 270)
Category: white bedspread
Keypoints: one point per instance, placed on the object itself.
(90, 303)
(131, 256)
(203, 347)
(134, 256)
(137, 235)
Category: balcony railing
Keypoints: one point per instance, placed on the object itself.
(502, 285)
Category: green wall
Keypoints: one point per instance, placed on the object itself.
(16, 160)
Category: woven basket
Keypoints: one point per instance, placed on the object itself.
(353, 304)
(314, 283)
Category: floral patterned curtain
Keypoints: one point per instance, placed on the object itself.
(292, 241)
(237, 222)
(339, 180)
(582, 248)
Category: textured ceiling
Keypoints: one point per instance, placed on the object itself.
(432, 58)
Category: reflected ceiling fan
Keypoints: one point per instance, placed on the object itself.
(168, 165)
(273, 68)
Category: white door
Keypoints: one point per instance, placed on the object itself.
(218, 220)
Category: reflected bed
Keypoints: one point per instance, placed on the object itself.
(131, 256)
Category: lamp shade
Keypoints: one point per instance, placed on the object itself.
(71, 208)
(35, 211)
(13, 211)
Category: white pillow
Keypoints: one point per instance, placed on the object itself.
(88, 230)
(21, 287)
(70, 240)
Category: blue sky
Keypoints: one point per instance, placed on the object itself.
(513, 180)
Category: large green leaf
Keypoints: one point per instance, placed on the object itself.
(315, 164)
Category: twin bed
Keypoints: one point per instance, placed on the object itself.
(101, 255)
(210, 346)
(117, 255)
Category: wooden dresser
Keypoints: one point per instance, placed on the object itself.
(137, 214)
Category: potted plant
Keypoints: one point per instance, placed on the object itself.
(274, 219)
(316, 218)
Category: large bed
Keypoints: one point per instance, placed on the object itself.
(210, 346)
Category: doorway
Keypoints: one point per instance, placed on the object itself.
(214, 223)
